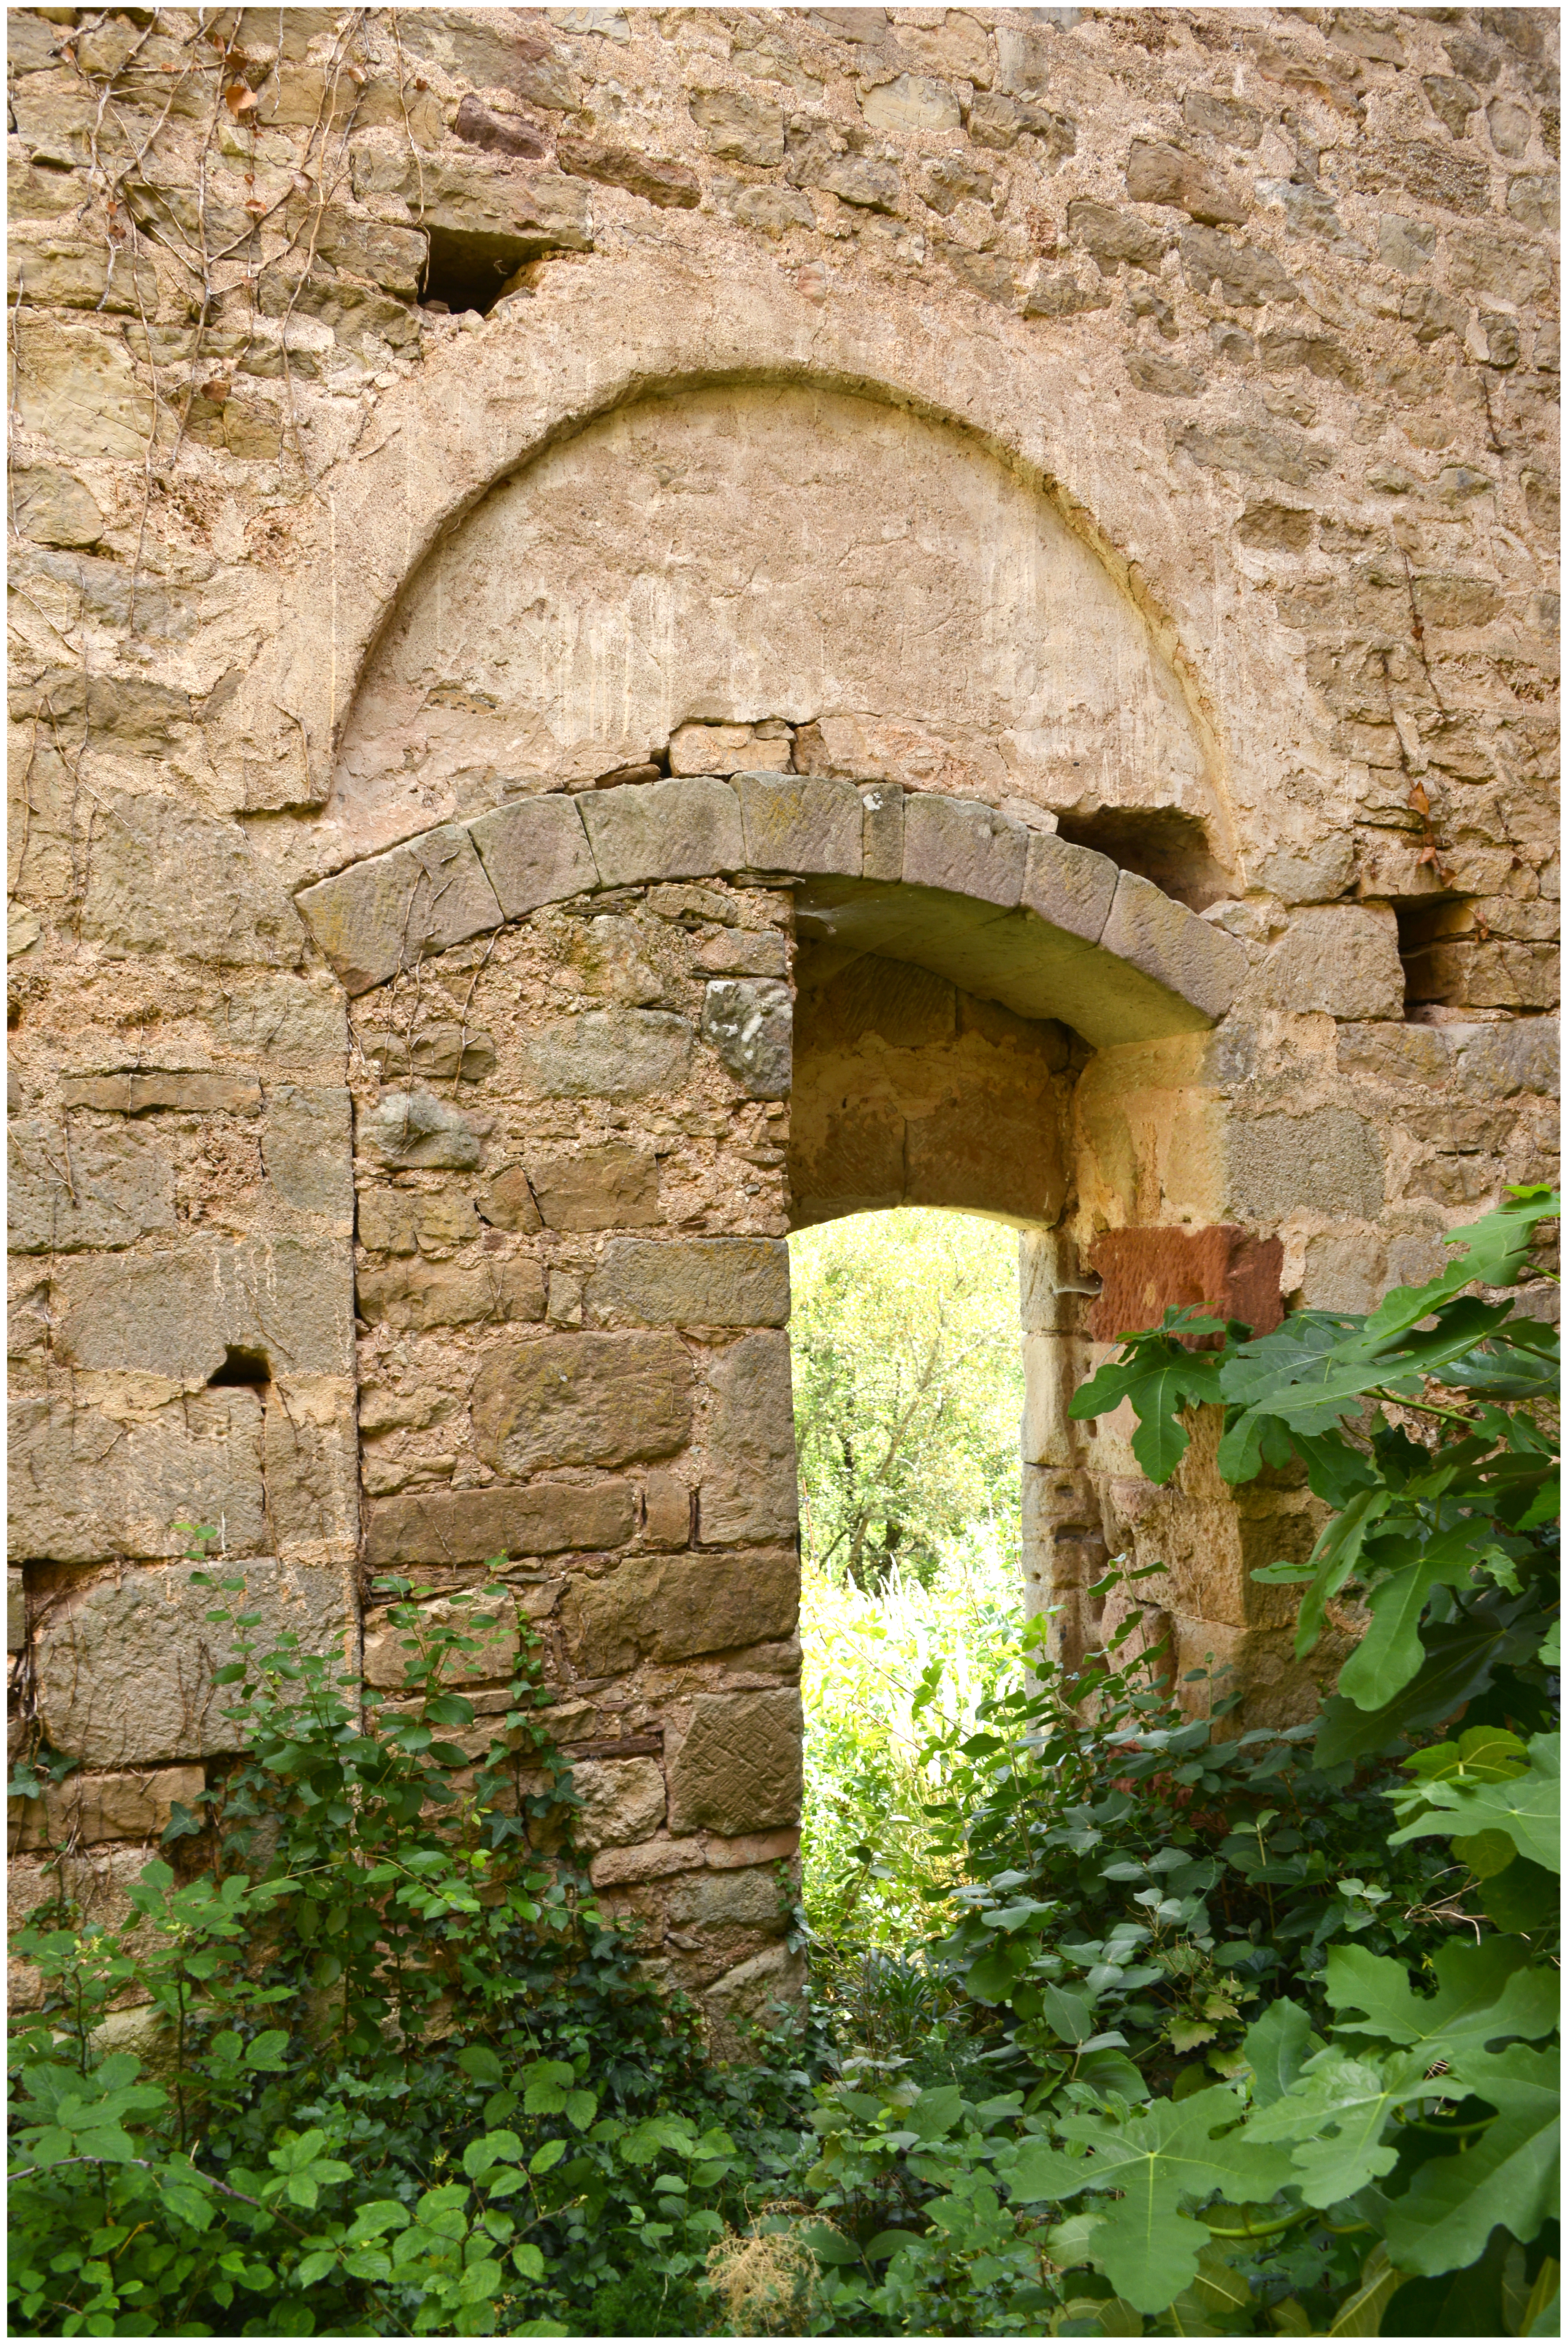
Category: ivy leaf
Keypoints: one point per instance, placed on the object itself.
(1483, 1992)
(1508, 2176)
(1165, 2154)
(548, 2084)
(1528, 1808)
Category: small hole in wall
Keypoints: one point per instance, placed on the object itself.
(242, 1367)
(469, 272)
(1159, 843)
(1431, 927)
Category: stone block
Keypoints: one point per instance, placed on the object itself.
(308, 1149)
(87, 1808)
(1071, 886)
(622, 1800)
(1173, 946)
(76, 387)
(749, 1021)
(125, 1662)
(162, 879)
(1317, 873)
(15, 1609)
(416, 1296)
(1394, 1053)
(206, 1092)
(738, 128)
(963, 847)
(752, 1848)
(721, 749)
(677, 1606)
(737, 1768)
(535, 851)
(98, 1189)
(97, 1882)
(685, 829)
(85, 1486)
(1343, 959)
(451, 1526)
(748, 1900)
(438, 1053)
(288, 1301)
(654, 177)
(1328, 1161)
(1157, 173)
(765, 1992)
(51, 507)
(414, 1128)
(289, 1017)
(666, 1512)
(882, 831)
(311, 1459)
(655, 1860)
(393, 910)
(408, 1221)
(488, 1623)
(1345, 1271)
(606, 1187)
(692, 1283)
(801, 822)
(744, 952)
(612, 1054)
(1497, 1059)
(1146, 1272)
(748, 1490)
(584, 1400)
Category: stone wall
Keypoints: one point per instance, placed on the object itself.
(1101, 464)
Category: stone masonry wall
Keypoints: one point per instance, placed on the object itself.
(1134, 427)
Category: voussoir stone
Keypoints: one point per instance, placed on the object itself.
(801, 822)
(693, 1282)
(681, 830)
(1343, 959)
(583, 1400)
(474, 1525)
(1071, 886)
(737, 1768)
(964, 847)
(748, 1489)
(126, 1664)
(612, 1054)
(288, 1301)
(535, 851)
(750, 1022)
(393, 910)
(1148, 928)
(86, 1486)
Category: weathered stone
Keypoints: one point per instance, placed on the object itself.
(416, 1296)
(125, 1663)
(475, 1526)
(1314, 874)
(1405, 244)
(162, 879)
(66, 1193)
(738, 1766)
(998, 123)
(289, 1017)
(800, 822)
(1273, 453)
(98, 1883)
(286, 1301)
(1070, 886)
(407, 1220)
(1145, 1273)
(76, 386)
(1167, 378)
(673, 1607)
(737, 129)
(611, 954)
(748, 952)
(1345, 1271)
(310, 1459)
(1161, 173)
(967, 848)
(1341, 957)
(666, 1512)
(390, 1650)
(1057, 293)
(440, 1053)
(1215, 116)
(15, 1609)
(535, 851)
(752, 1848)
(623, 1800)
(87, 1808)
(52, 508)
(490, 54)
(654, 177)
(1533, 200)
(196, 1092)
(1111, 236)
(1394, 1053)
(415, 1128)
(613, 1054)
(1330, 1161)
(1173, 946)
(749, 1022)
(1451, 100)
(1496, 1061)
(583, 1400)
(68, 273)
(882, 832)
(748, 1489)
(1245, 276)
(773, 211)
(680, 829)
(692, 1283)
(391, 911)
(765, 1992)
(911, 102)
(1495, 261)
(308, 1149)
(749, 1899)
(606, 1187)
(655, 1860)
(498, 134)
(85, 1485)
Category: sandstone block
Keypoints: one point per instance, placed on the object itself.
(488, 1623)
(85, 1486)
(161, 879)
(749, 1021)
(674, 1607)
(1339, 958)
(416, 1128)
(76, 387)
(1157, 173)
(408, 1221)
(1394, 1053)
(720, 749)
(1329, 1161)
(476, 1526)
(666, 1512)
(53, 507)
(965, 847)
(438, 1052)
(614, 1054)
(419, 1295)
(109, 1189)
(746, 1900)
(583, 1400)
(654, 1861)
(1071, 886)
(535, 851)
(97, 1880)
(1245, 277)
(67, 273)
(737, 1768)
(197, 1092)
(800, 822)
(685, 829)
(1145, 1273)
(765, 1992)
(310, 1455)
(125, 1665)
(622, 1800)
(1173, 946)
(1111, 236)
(752, 1848)
(308, 1149)
(745, 952)
(288, 1301)
(882, 832)
(290, 1018)
(86, 1808)
(1345, 1271)
(693, 1282)
(654, 177)
(608, 1187)
(748, 1489)
(489, 56)
(1314, 874)
(1495, 1060)
(392, 910)
(737, 129)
